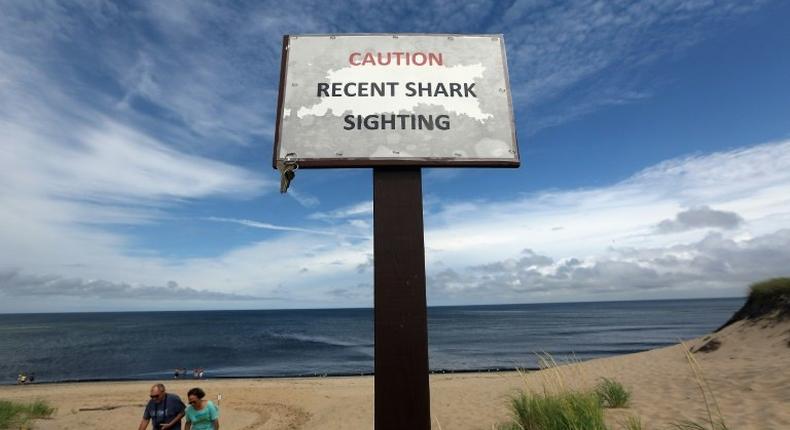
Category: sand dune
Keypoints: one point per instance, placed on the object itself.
(747, 372)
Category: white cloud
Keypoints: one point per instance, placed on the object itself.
(713, 266)
(304, 199)
(753, 182)
(609, 234)
(269, 226)
(364, 209)
(16, 284)
(700, 217)
(607, 247)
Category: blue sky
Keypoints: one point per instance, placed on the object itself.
(137, 138)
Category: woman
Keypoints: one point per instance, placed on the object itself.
(201, 414)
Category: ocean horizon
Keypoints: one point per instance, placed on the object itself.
(131, 345)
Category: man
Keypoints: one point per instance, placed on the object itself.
(164, 410)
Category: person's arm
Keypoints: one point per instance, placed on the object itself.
(173, 421)
(143, 424)
(216, 424)
(180, 407)
(188, 424)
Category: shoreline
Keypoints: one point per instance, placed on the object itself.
(280, 377)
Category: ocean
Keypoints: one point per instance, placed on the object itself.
(276, 343)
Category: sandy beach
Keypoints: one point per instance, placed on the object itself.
(747, 373)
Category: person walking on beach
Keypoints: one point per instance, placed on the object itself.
(201, 414)
(164, 410)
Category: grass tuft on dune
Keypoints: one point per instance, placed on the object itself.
(555, 411)
(18, 415)
(770, 289)
(612, 394)
(563, 401)
(767, 299)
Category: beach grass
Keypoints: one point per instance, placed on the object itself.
(633, 422)
(563, 403)
(612, 394)
(560, 400)
(768, 299)
(18, 415)
(691, 425)
(769, 290)
(715, 419)
(555, 411)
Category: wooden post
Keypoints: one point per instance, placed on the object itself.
(402, 398)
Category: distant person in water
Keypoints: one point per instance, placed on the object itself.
(164, 410)
(201, 414)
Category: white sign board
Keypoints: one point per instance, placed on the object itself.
(377, 100)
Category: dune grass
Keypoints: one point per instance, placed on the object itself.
(770, 289)
(563, 402)
(18, 415)
(633, 423)
(715, 419)
(612, 394)
(559, 399)
(555, 411)
(691, 425)
(767, 299)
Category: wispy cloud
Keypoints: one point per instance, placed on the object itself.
(176, 68)
(74, 170)
(554, 47)
(361, 209)
(268, 226)
(304, 199)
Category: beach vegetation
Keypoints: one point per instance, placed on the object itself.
(555, 399)
(612, 394)
(633, 422)
(555, 411)
(18, 415)
(691, 425)
(714, 418)
(770, 288)
(767, 299)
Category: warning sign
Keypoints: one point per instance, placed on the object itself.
(375, 100)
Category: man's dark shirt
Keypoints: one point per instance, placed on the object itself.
(164, 411)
